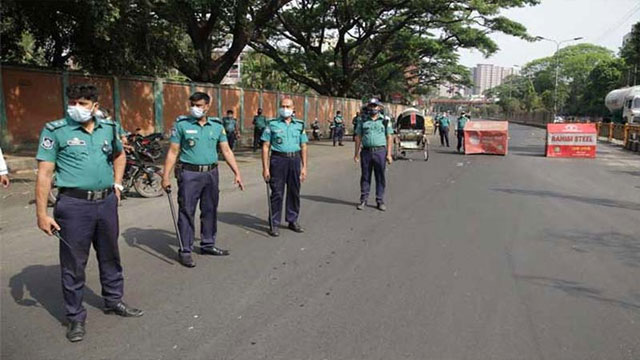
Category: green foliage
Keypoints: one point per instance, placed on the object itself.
(260, 72)
(630, 53)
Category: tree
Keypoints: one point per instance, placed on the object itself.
(260, 72)
(605, 76)
(331, 45)
(631, 55)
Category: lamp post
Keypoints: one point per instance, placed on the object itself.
(555, 88)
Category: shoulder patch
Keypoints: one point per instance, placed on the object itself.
(56, 124)
(214, 119)
(182, 117)
(107, 121)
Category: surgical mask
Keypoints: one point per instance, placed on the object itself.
(79, 113)
(197, 112)
(373, 111)
(286, 113)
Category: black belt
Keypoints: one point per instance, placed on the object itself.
(374, 148)
(91, 195)
(286, 154)
(198, 168)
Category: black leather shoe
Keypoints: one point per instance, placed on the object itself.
(123, 310)
(274, 232)
(186, 260)
(214, 251)
(296, 227)
(75, 331)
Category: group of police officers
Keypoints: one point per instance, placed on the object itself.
(85, 154)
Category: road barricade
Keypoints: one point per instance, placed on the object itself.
(572, 140)
(486, 137)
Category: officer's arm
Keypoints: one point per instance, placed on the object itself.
(119, 163)
(304, 155)
(43, 186)
(229, 157)
(170, 161)
(265, 155)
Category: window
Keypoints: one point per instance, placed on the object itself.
(636, 103)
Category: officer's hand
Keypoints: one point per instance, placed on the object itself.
(303, 174)
(4, 179)
(47, 223)
(166, 183)
(238, 181)
(266, 175)
(389, 159)
(356, 159)
(118, 195)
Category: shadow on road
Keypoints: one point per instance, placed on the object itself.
(42, 283)
(624, 247)
(527, 150)
(328, 200)
(246, 221)
(583, 199)
(158, 243)
(576, 289)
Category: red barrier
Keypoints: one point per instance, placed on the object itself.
(486, 137)
(572, 140)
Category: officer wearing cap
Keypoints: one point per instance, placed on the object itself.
(338, 128)
(375, 134)
(287, 165)
(259, 124)
(194, 140)
(86, 155)
(461, 123)
(443, 124)
(230, 124)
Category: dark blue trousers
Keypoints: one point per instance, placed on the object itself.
(376, 162)
(196, 186)
(231, 138)
(460, 134)
(338, 133)
(285, 171)
(444, 136)
(83, 223)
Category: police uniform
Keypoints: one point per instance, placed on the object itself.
(443, 125)
(338, 129)
(87, 207)
(197, 174)
(354, 122)
(462, 122)
(373, 155)
(285, 166)
(259, 124)
(230, 123)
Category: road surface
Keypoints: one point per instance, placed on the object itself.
(478, 257)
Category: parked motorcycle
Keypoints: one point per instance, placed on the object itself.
(140, 172)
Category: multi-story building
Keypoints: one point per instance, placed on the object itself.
(487, 76)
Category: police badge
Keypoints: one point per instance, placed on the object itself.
(47, 143)
(279, 141)
(191, 142)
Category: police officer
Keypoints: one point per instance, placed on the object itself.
(86, 155)
(259, 124)
(194, 140)
(374, 132)
(354, 122)
(443, 124)
(461, 123)
(230, 123)
(287, 165)
(338, 129)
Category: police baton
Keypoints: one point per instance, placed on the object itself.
(268, 182)
(173, 216)
(56, 233)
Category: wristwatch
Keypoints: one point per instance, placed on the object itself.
(118, 186)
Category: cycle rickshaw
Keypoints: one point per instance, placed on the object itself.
(411, 129)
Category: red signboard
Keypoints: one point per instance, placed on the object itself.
(572, 140)
(486, 137)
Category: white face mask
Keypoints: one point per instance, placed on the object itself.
(79, 113)
(197, 112)
(286, 113)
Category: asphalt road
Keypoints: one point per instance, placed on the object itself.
(478, 257)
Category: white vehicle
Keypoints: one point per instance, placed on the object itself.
(624, 104)
(558, 120)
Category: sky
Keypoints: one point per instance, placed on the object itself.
(600, 22)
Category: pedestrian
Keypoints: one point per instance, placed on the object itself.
(354, 122)
(375, 134)
(194, 140)
(285, 166)
(86, 155)
(259, 124)
(4, 172)
(230, 123)
(462, 122)
(338, 128)
(443, 124)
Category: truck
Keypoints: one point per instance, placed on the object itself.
(624, 104)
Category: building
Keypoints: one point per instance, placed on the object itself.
(487, 76)
(449, 90)
(626, 39)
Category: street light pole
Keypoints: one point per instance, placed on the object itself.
(555, 88)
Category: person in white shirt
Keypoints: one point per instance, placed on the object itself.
(4, 172)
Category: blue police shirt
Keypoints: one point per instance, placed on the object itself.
(285, 137)
(198, 143)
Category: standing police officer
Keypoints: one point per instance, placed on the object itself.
(230, 123)
(338, 128)
(443, 124)
(86, 155)
(287, 165)
(375, 134)
(194, 140)
(462, 122)
(354, 122)
(259, 124)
